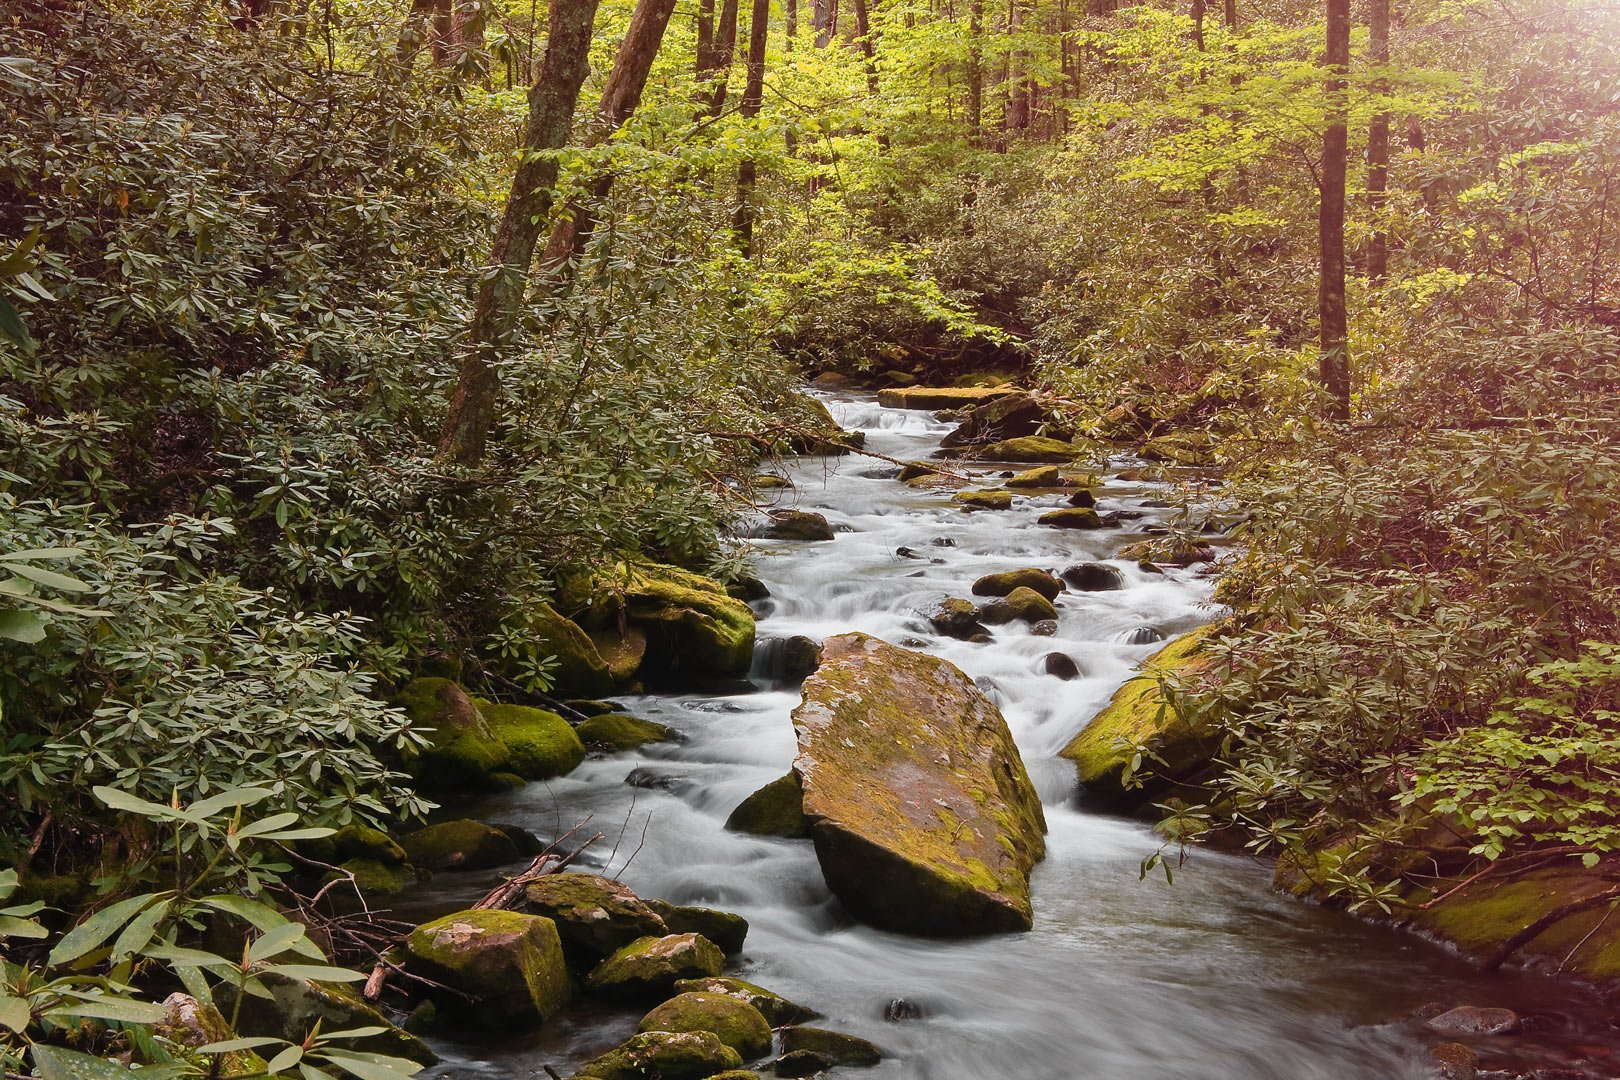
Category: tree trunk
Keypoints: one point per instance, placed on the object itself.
(1017, 78)
(1378, 146)
(1335, 346)
(790, 21)
(863, 41)
(717, 65)
(620, 97)
(552, 101)
(975, 73)
(753, 100)
(824, 20)
(705, 37)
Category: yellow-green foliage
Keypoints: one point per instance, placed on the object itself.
(540, 744)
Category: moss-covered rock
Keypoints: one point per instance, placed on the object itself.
(942, 397)
(1073, 517)
(580, 668)
(1031, 448)
(357, 841)
(188, 1024)
(667, 1055)
(1021, 605)
(736, 1023)
(622, 652)
(1180, 448)
(798, 525)
(953, 617)
(375, 880)
(724, 928)
(511, 964)
(919, 470)
(1028, 578)
(985, 499)
(835, 1046)
(1010, 417)
(650, 966)
(692, 625)
(1138, 715)
(539, 744)
(776, 1009)
(296, 1006)
(1045, 476)
(817, 430)
(595, 916)
(1176, 551)
(459, 845)
(771, 482)
(777, 809)
(798, 1063)
(1093, 577)
(923, 817)
(618, 731)
(461, 748)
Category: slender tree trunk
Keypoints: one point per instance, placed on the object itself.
(552, 101)
(705, 37)
(620, 97)
(790, 21)
(824, 20)
(1017, 78)
(1378, 146)
(430, 23)
(1335, 345)
(975, 73)
(863, 41)
(715, 68)
(753, 100)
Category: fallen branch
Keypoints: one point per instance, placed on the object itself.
(505, 895)
(1546, 922)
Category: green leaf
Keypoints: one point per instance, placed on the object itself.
(47, 577)
(95, 930)
(115, 799)
(234, 797)
(317, 972)
(285, 1060)
(55, 1063)
(371, 1066)
(14, 1014)
(41, 553)
(274, 942)
(232, 1045)
(27, 627)
(12, 327)
(255, 913)
(106, 1008)
(11, 926)
(266, 825)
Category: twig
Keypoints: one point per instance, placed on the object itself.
(639, 845)
(1547, 921)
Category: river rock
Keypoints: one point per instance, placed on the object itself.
(942, 397)
(461, 748)
(1022, 604)
(296, 1007)
(511, 964)
(1141, 635)
(923, 817)
(1455, 1061)
(1093, 577)
(595, 916)
(800, 656)
(620, 731)
(724, 928)
(777, 809)
(953, 618)
(189, 1023)
(1045, 628)
(801, 1063)
(580, 669)
(539, 744)
(1044, 476)
(1029, 578)
(835, 1046)
(459, 845)
(798, 525)
(1079, 517)
(1084, 498)
(987, 499)
(734, 1022)
(1060, 665)
(650, 966)
(1031, 448)
(1176, 552)
(776, 1009)
(818, 431)
(693, 627)
(355, 841)
(667, 1055)
(1473, 1020)
(1009, 417)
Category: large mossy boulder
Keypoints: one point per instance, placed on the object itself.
(1020, 605)
(511, 965)
(815, 431)
(692, 625)
(461, 748)
(1076, 517)
(1012, 416)
(985, 499)
(666, 1055)
(942, 397)
(295, 1009)
(651, 966)
(923, 817)
(734, 1022)
(616, 732)
(726, 929)
(833, 1046)
(459, 845)
(776, 1009)
(539, 744)
(595, 916)
(580, 669)
(777, 809)
(1028, 578)
(798, 525)
(1033, 449)
(1139, 716)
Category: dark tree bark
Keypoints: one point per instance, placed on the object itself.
(790, 21)
(1378, 146)
(863, 41)
(552, 101)
(975, 73)
(620, 97)
(715, 68)
(824, 20)
(1017, 114)
(752, 101)
(705, 36)
(1335, 345)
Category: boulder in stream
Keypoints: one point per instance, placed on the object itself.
(1028, 578)
(835, 1046)
(595, 916)
(942, 397)
(777, 809)
(692, 626)
(734, 1022)
(461, 748)
(620, 731)
(952, 617)
(725, 929)
(668, 1055)
(1075, 517)
(778, 1010)
(923, 817)
(985, 499)
(798, 525)
(1021, 605)
(1093, 577)
(510, 964)
(459, 845)
(539, 744)
(650, 966)
(1031, 448)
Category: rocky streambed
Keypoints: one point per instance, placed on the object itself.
(1118, 976)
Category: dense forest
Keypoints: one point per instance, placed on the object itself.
(390, 392)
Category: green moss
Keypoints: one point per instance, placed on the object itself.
(510, 964)
(377, 880)
(459, 845)
(771, 482)
(1029, 578)
(189, 1023)
(1482, 917)
(296, 1006)
(692, 624)
(1046, 476)
(1181, 448)
(777, 809)
(540, 744)
(987, 499)
(668, 1055)
(1022, 604)
(461, 748)
(579, 669)
(623, 653)
(651, 966)
(724, 928)
(835, 1046)
(776, 1009)
(616, 731)
(1031, 448)
(942, 397)
(736, 1023)
(1073, 517)
(595, 916)
(357, 841)
(1139, 715)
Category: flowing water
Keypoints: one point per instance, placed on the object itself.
(1213, 976)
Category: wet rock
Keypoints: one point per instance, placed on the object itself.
(1179, 448)
(942, 397)
(1172, 551)
(461, 748)
(988, 499)
(923, 817)
(899, 1009)
(1083, 498)
(735, 1023)
(800, 656)
(818, 432)
(1010, 417)
(357, 841)
(776, 1009)
(1044, 628)
(692, 626)
(772, 482)
(189, 1023)
(943, 541)
(1030, 578)
(588, 707)
(953, 618)
(377, 881)
(1022, 604)
(1060, 665)
(1141, 635)
(652, 780)
(801, 1063)
(540, 744)
(798, 525)
(616, 732)
(1473, 1020)
(1455, 1061)
(1149, 567)
(1093, 577)
(908, 553)
(1031, 448)
(918, 470)
(667, 1055)
(595, 916)
(1046, 476)
(650, 966)
(459, 845)
(777, 809)
(511, 964)
(747, 588)
(835, 1046)
(296, 1007)
(580, 668)
(984, 637)
(721, 927)
(1073, 518)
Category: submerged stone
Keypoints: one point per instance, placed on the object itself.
(835, 1046)
(798, 525)
(1080, 517)
(987, 499)
(618, 731)
(1021, 604)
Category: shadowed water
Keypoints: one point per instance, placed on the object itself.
(1213, 976)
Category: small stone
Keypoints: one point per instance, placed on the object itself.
(908, 553)
(778, 1010)
(1093, 577)
(735, 1023)
(956, 618)
(777, 809)
(798, 525)
(1029, 578)
(510, 964)
(1456, 1061)
(801, 1063)
(1045, 628)
(1473, 1020)
(595, 916)
(621, 732)
(989, 499)
(650, 966)
(1141, 635)
(1060, 665)
(902, 1009)
(835, 1046)
(1083, 498)
(667, 1055)
(801, 656)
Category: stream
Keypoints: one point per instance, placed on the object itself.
(1122, 978)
